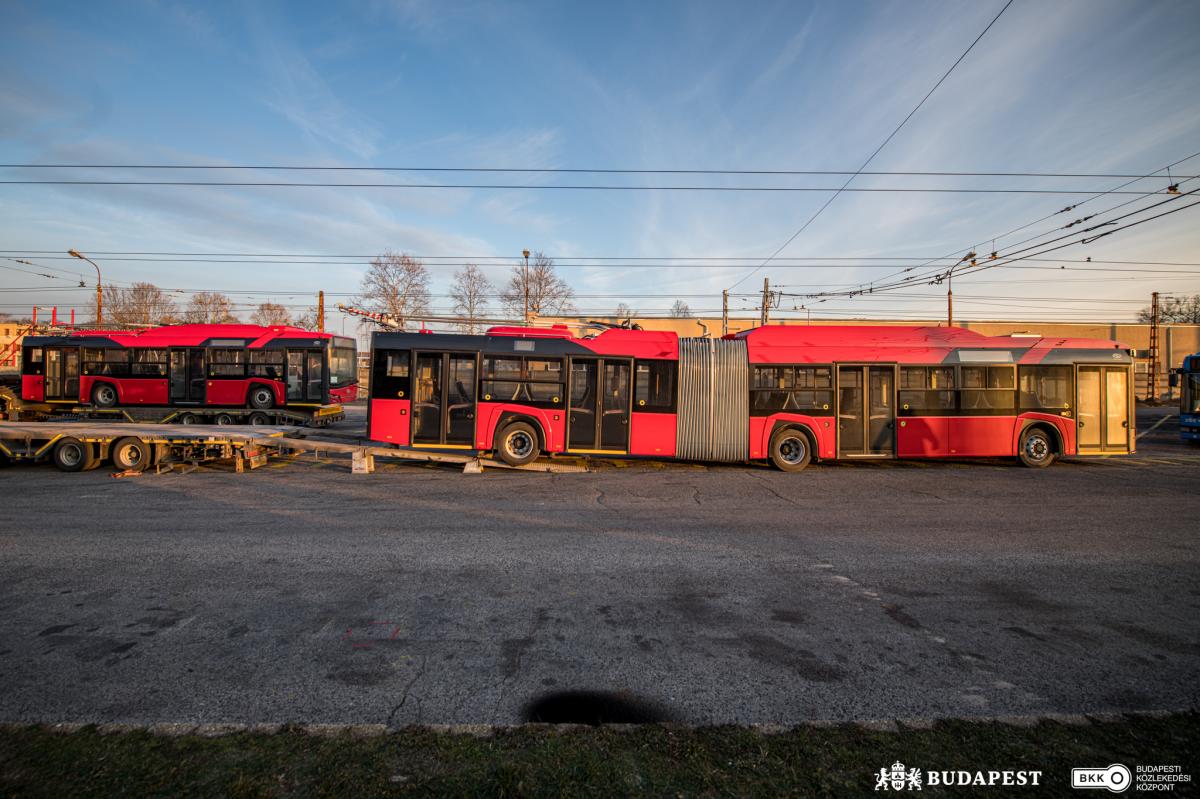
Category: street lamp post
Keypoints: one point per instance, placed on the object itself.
(968, 258)
(525, 280)
(99, 289)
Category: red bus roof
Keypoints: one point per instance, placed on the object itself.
(196, 335)
(898, 343)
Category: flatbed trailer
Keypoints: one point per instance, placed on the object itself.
(16, 409)
(130, 447)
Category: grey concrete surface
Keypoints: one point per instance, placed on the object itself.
(300, 592)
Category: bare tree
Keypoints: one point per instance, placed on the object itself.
(269, 314)
(1174, 310)
(140, 304)
(396, 285)
(470, 293)
(306, 320)
(208, 308)
(624, 312)
(680, 310)
(547, 293)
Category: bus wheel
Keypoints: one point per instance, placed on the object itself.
(1037, 448)
(518, 444)
(72, 455)
(259, 419)
(104, 395)
(224, 419)
(261, 397)
(789, 450)
(188, 418)
(130, 454)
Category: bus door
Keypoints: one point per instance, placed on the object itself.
(306, 376)
(866, 411)
(186, 373)
(599, 404)
(443, 399)
(62, 373)
(1102, 409)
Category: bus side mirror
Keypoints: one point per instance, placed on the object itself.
(1173, 379)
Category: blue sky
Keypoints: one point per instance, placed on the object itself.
(1069, 86)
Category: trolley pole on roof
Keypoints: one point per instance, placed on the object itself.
(525, 281)
(99, 290)
(725, 312)
(321, 311)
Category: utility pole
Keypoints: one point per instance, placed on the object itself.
(99, 290)
(1152, 377)
(765, 316)
(321, 311)
(525, 280)
(725, 312)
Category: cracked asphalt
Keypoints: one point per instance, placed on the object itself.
(300, 592)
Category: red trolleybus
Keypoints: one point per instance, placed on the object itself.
(788, 394)
(191, 366)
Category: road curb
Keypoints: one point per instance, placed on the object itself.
(333, 730)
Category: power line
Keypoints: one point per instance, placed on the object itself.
(903, 122)
(576, 170)
(546, 187)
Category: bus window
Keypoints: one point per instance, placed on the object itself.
(266, 363)
(654, 387)
(1046, 388)
(987, 388)
(342, 367)
(315, 377)
(226, 363)
(799, 389)
(926, 389)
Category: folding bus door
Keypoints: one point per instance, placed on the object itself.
(1102, 409)
(443, 409)
(62, 373)
(866, 411)
(599, 405)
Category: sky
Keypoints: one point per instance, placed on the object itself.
(1073, 86)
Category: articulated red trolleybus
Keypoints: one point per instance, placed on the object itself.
(192, 373)
(789, 394)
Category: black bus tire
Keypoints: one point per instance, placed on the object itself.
(791, 450)
(261, 397)
(517, 444)
(259, 419)
(72, 455)
(130, 454)
(104, 395)
(1038, 449)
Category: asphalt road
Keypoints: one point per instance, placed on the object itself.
(300, 592)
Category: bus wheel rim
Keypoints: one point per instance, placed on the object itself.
(791, 450)
(106, 394)
(520, 444)
(1036, 447)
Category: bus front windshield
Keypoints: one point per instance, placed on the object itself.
(342, 367)
(1191, 392)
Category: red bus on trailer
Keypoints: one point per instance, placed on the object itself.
(231, 366)
(789, 394)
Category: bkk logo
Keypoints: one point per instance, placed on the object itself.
(1115, 778)
(898, 778)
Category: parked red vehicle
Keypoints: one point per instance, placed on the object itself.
(231, 366)
(790, 394)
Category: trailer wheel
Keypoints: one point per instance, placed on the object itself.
(1037, 448)
(130, 454)
(262, 397)
(188, 418)
(517, 444)
(72, 455)
(104, 395)
(259, 419)
(790, 450)
(224, 419)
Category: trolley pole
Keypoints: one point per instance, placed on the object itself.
(99, 290)
(725, 312)
(321, 311)
(525, 281)
(765, 316)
